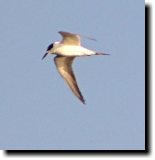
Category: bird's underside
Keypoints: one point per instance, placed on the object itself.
(64, 67)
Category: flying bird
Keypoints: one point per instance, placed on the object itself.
(66, 51)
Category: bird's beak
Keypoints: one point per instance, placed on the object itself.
(45, 55)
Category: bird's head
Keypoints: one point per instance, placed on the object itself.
(49, 49)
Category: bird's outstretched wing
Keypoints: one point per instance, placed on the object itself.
(70, 38)
(64, 66)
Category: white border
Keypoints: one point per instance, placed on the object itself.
(151, 3)
(150, 156)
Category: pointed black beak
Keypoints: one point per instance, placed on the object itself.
(44, 55)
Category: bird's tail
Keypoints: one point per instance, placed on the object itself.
(100, 53)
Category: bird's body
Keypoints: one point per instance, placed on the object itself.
(70, 50)
(66, 51)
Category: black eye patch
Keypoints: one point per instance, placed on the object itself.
(49, 47)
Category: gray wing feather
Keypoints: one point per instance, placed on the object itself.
(64, 66)
(70, 38)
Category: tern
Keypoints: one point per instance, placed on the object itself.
(66, 51)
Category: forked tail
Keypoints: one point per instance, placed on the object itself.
(99, 53)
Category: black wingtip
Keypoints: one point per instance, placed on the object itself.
(82, 100)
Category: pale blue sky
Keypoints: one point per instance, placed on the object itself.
(38, 110)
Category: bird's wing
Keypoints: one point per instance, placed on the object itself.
(64, 66)
(70, 38)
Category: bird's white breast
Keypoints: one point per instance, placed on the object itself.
(70, 50)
